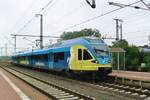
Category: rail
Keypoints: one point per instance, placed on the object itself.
(51, 90)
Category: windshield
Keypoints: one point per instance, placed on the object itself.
(101, 50)
(101, 53)
(100, 47)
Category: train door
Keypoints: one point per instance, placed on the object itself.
(50, 60)
(88, 61)
(79, 57)
(76, 58)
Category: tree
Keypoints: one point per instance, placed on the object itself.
(132, 57)
(122, 44)
(84, 32)
(147, 62)
(132, 54)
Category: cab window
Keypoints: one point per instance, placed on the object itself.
(79, 54)
(86, 55)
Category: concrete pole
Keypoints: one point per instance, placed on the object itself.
(41, 30)
(117, 29)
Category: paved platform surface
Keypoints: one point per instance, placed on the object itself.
(143, 76)
(8, 90)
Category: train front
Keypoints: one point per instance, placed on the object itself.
(90, 55)
(102, 54)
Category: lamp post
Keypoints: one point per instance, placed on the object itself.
(41, 29)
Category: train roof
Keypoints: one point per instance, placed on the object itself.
(64, 46)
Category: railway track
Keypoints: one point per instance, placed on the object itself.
(51, 90)
(136, 93)
(119, 89)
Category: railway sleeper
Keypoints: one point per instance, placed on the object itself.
(43, 87)
(62, 94)
(73, 98)
(133, 91)
(61, 97)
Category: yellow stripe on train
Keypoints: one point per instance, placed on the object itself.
(24, 62)
(77, 62)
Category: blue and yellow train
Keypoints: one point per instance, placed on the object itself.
(80, 55)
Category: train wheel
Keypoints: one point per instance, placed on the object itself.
(70, 74)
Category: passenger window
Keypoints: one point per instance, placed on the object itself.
(86, 55)
(79, 54)
(58, 56)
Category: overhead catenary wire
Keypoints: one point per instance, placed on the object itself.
(145, 30)
(9, 41)
(93, 18)
(34, 36)
(125, 5)
(46, 6)
(76, 9)
(133, 14)
(29, 21)
(25, 25)
(24, 13)
(136, 24)
(145, 4)
(32, 18)
(78, 23)
(129, 21)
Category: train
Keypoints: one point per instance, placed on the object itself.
(80, 55)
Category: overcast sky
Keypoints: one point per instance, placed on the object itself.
(60, 14)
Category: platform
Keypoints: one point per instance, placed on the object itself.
(9, 91)
(142, 76)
